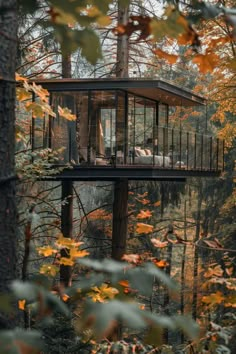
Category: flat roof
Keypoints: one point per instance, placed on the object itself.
(158, 90)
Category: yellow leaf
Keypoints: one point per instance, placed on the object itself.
(213, 299)
(67, 242)
(67, 261)
(104, 21)
(66, 113)
(143, 228)
(21, 304)
(49, 269)
(22, 94)
(102, 293)
(75, 253)
(46, 251)
(144, 214)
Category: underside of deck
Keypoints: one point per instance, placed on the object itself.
(112, 173)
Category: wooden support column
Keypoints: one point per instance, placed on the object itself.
(66, 227)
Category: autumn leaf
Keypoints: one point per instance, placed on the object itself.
(206, 62)
(143, 228)
(213, 299)
(67, 261)
(49, 269)
(67, 242)
(158, 243)
(22, 94)
(213, 243)
(216, 271)
(102, 293)
(65, 297)
(66, 113)
(21, 304)
(144, 214)
(19, 77)
(124, 283)
(75, 253)
(160, 263)
(171, 58)
(131, 258)
(157, 204)
(46, 251)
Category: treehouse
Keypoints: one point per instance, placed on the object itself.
(123, 129)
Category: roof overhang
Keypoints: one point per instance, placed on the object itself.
(157, 90)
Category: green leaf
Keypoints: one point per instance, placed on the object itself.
(106, 265)
(55, 304)
(160, 275)
(11, 341)
(106, 314)
(90, 45)
(25, 290)
(187, 325)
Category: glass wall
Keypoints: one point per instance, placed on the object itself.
(114, 128)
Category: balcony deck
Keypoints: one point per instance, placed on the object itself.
(112, 173)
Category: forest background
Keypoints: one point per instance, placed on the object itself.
(185, 231)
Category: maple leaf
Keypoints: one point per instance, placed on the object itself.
(46, 251)
(213, 299)
(75, 253)
(206, 62)
(21, 304)
(144, 214)
(131, 258)
(171, 58)
(49, 269)
(136, 23)
(143, 228)
(65, 297)
(67, 261)
(67, 242)
(102, 293)
(216, 271)
(66, 113)
(158, 243)
(20, 78)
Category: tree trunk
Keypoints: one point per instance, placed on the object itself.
(196, 258)
(67, 198)
(8, 211)
(120, 204)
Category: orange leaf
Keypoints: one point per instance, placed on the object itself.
(206, 62)
(213, 299)
(144, 214)
(132, 258)
(124, 283)
(143, 228)
(171, 58)
(21, 304)
(158, 243)
(158, 203)
(161, 264)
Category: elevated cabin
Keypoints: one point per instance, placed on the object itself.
(122, 130)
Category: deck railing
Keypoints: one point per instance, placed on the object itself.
(169, 149)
